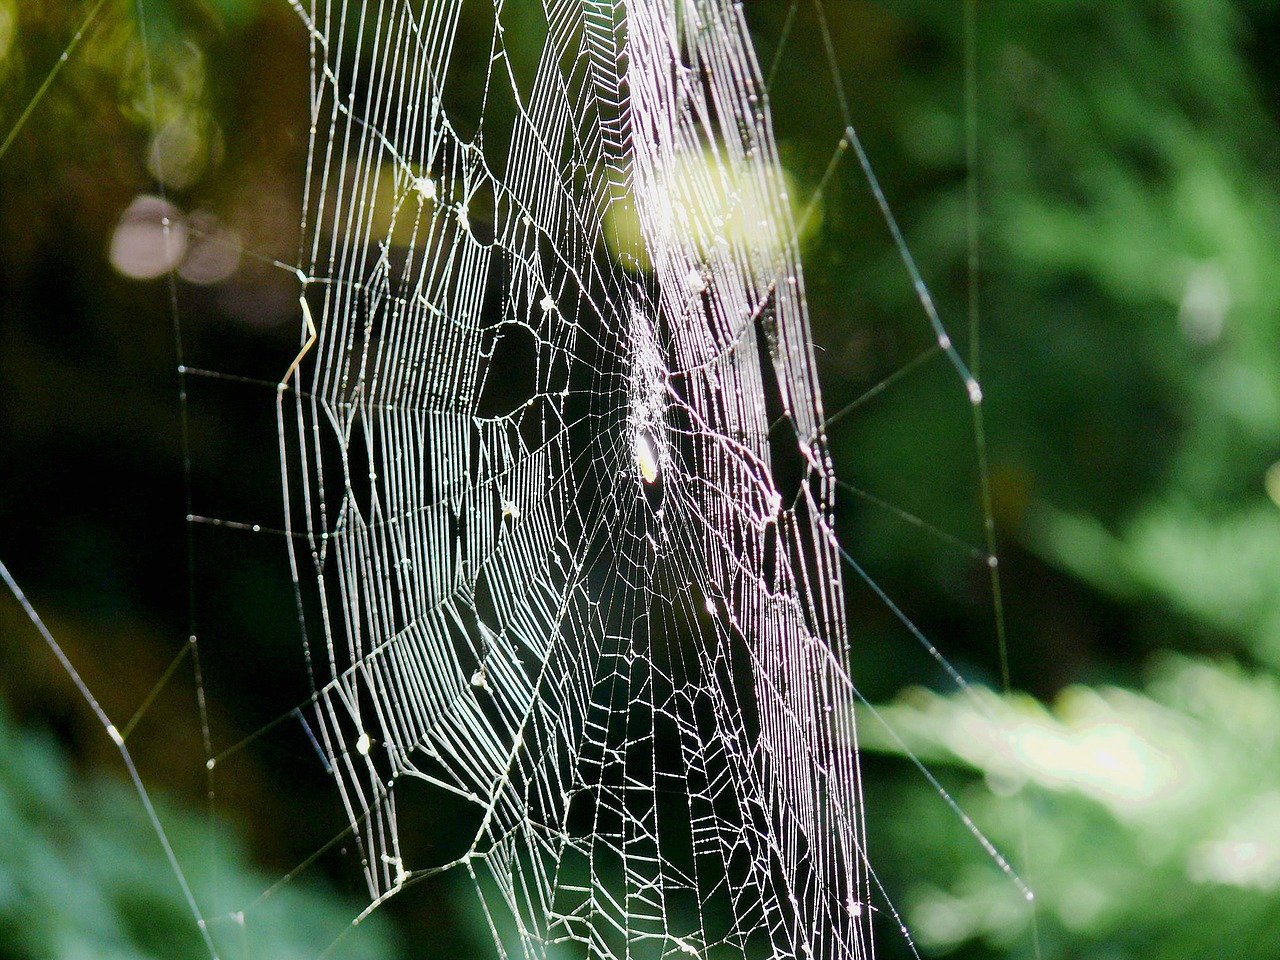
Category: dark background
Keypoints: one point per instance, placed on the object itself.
(1127, 185)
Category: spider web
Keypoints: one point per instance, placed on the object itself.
(557, 492)
(562, 504)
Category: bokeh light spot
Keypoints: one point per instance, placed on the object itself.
(213, 252)
(150, 238)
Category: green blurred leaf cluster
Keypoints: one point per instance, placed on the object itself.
(1131, 353)
(83, 874)
(1147, 822)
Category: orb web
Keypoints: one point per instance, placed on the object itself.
(557, 488)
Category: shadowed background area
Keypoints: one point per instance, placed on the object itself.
(1129, 213)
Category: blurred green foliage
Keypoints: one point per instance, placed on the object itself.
(1147, 821)
(83, 875)
(1131, 324)
(1129, 196)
